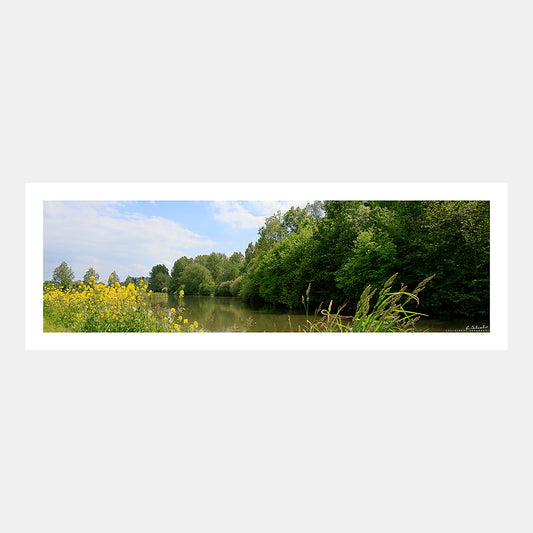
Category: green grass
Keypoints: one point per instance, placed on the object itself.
(49, 326)
(156, 297)
(385, 313)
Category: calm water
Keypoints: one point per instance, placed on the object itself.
(233, 315)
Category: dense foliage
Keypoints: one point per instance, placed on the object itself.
(346, 245)
(159, 278)
(206, 274)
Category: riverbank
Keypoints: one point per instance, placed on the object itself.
(232, 314)
(157, 297)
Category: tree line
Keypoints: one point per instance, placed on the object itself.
(213, 274)
(63, 276)
(340, 247)
(336, 248)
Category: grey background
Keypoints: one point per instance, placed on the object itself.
(264, 441)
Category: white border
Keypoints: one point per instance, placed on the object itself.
(36, 193)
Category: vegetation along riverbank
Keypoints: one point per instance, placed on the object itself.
(353, 266)
(96, 307)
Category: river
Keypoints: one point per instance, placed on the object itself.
(226, 314)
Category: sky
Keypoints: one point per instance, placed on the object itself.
(131, 237)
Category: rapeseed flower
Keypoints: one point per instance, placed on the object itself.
(107, 308)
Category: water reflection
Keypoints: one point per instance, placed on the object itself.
(226, 314)
(233, 315)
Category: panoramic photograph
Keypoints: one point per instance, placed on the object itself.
(193, 266)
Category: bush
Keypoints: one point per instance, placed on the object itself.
(250, 288)
(235, 286)
(224, 289)
(50, 286)
(193, 276)
(207, 288)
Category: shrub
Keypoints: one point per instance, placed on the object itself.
(193, 276)
(235, 286)
(111, 308)
(206, 288)
(224, 289)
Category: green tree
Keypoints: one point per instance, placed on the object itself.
(250, 284)
(232, 267)
(280, 225)
(235, 286)
(249, 254)
(272, 232)
(458, 251)
(63, 275)
(370, 261)
(89, 273)
(157, 283)
(223, 289)
(281, 273)
(206, 288)
(215, 264)
(113, 278)
(315, 209)
(194, 275)
(177, 270)
(161, 282)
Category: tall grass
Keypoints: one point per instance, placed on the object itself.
(384, 313)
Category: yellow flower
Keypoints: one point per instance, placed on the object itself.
(185, 321)
(195, 324)
(182, 293)
(172, 310)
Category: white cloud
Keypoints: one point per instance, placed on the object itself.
(269, 207)
(235, 214)
(251, 214)
(98, 234)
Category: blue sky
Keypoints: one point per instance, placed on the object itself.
(131, 237)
